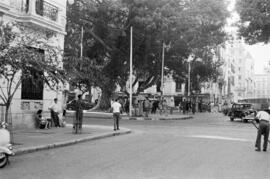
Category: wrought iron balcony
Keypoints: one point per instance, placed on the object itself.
(42, 13)
(46, 9)
(40, 7)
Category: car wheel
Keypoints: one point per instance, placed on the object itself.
(3, 160)
(231, 118)
(245, 120)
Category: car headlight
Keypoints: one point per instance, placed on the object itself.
(10, 147)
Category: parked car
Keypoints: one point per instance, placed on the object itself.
(243, 111)
(71, 105)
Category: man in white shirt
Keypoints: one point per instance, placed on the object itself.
(54, 108)
(263, 129)
(116, 108)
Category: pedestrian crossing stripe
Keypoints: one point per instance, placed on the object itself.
(219, 138)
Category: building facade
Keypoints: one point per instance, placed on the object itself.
(45, 19)
(237, 72)
(262, 83)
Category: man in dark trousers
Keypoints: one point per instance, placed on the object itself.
(147, 106)
(263, 129)
(116, 108)
(79, 113)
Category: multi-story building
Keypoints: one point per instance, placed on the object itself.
(42, 18)
(262, 83)
(237, 71)
(173, 90)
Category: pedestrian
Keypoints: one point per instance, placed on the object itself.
(212, 104)
(154, 107)
(147, 106)
(193, 106)
(263, 129)
(41, 122)
(200, 106)
(126, 106)
(54, 108)
(122, 102)
(79, 113)
(116, 109)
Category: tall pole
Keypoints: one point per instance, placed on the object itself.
(81, 55)
(189, 78)
(162, 70)
(190, 58)
(130, 72)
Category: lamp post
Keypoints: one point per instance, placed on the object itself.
(164, 46)
(190, 58)
(162, 70)
(130, 73)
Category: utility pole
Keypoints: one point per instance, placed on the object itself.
(190, 58)
(189, 78)
(162, 70)
(130, 72)
(81, 55)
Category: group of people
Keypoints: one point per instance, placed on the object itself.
(262, 117)
(187, 106)
(46, 123)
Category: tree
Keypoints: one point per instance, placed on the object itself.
(254, 20)
(20, 60)
(188, 26)
(101, 36)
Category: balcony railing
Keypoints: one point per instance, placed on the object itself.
(40, 7)
(46, 9)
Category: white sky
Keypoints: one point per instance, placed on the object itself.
(260, 52)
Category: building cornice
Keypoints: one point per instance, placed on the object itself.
(39, 21)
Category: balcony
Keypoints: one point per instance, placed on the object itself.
(46, 10)
(38, 12)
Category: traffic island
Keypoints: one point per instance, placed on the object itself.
(27, 141)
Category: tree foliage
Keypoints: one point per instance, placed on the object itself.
(20, 59)
(255, 20)
(186, 26)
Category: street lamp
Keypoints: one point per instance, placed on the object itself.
(162, 66)
(130, 72)
(190, 58)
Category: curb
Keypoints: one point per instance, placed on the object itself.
(158, 118)
(67, 143)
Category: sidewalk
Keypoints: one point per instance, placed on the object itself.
(31, 140)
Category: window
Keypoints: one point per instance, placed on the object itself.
(32, 88)
(178, 86)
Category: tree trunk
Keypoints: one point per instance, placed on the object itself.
(7, 114)
(105, 102)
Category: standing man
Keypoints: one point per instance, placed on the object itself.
(147, 106)
(116, 108)
(263, 129)
(54, 108)
(184, 103)
(79, 113)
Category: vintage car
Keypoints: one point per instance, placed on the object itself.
(243, 111)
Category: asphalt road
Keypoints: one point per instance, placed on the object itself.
(207, 146)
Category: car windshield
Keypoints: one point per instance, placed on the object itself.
(242, 106)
